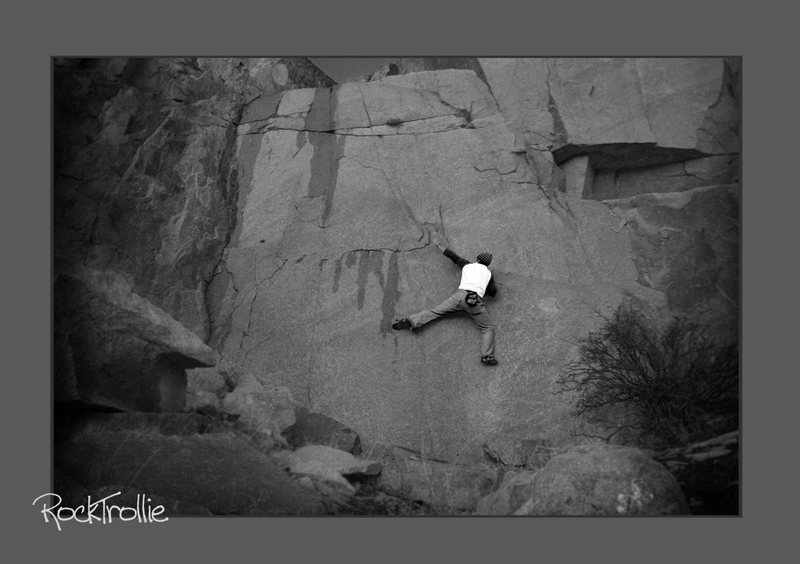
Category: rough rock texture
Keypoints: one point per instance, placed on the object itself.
(319, 429)
(515, 489)
(528, 453)
(125, 351)
(71, 424)
(686, 245)
(694, 173)
(205, 388)
(450, 488)
(218, 471)
(592, 104)
(144, 182)
(593, 479)
(327, 463)
(268, 410)
(708, 473)
(334, 243)
(604, 480)
(580, 179)
(74, 494)
(286, 223)
(344, 187)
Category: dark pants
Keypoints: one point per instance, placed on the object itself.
(456, 302)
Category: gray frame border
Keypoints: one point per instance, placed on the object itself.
(580, 28)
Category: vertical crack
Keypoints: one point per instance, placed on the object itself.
(640, 92)
(560, 131)
(364, 103)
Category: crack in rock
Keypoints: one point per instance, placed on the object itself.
(559, 130)
(364, 103)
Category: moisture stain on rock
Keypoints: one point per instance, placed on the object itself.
(368, 262)
(391, 294)
(328, 150)
(371, 262)
(337, 273)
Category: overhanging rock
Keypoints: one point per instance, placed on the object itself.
(120, 350)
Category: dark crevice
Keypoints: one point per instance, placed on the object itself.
(559, 130)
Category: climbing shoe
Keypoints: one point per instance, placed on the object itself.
(489, 360)
(403, 323)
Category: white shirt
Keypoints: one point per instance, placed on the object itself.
(475, 277)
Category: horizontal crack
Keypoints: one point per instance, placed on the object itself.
(391, 250)
(345, 131)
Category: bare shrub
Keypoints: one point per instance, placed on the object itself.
(674, 385)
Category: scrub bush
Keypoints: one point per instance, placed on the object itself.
(673, 385)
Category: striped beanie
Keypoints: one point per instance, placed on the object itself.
(485, 258)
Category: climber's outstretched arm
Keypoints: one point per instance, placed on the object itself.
(454, 257)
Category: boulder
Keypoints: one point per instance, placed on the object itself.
(260, 409)
(328, 464)
(516, 488)
(209, 380)
(70, 424)
(528, 453)
(128, 497)
(602, 480)
(127, 352)
(319, 429)
(203, 401)
(708, 473)
(448, 488)
(75, 495)
(221, 472)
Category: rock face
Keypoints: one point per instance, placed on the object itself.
(272, 224)
(145, 180)
(342, 188)
(334, 243)
(686, 245)
(590, 480)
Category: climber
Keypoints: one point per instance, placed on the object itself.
(476, 280)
